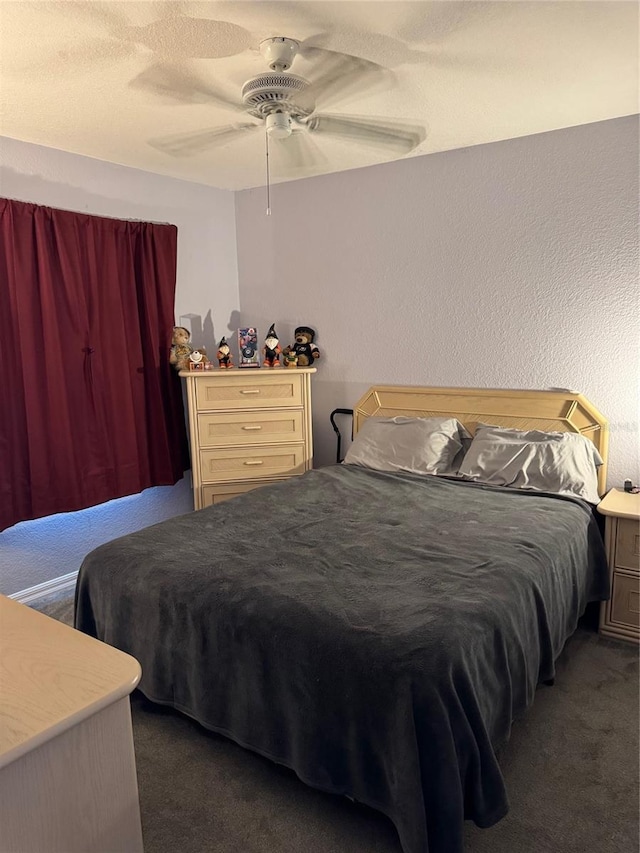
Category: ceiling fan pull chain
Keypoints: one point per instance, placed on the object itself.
(266, 136)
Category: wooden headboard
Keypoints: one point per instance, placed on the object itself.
(557, 411)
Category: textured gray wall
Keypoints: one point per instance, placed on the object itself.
(513, 264)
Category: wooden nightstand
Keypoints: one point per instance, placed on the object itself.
(620, 616)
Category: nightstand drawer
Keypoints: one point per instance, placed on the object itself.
(625, 600)
(224, 429)
(239, 391)
(245, 463)
(627, 546)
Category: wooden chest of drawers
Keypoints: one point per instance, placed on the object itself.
(248, 427)
(620, 616)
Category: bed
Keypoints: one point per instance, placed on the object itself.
(375, 631)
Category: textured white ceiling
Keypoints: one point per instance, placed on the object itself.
(467, 72)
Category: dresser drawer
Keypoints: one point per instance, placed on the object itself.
(625, 600)
(243, 391)
(627, 544)
(218, 493)
(224, 429)
(244, 463)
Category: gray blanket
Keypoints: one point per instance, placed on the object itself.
(377, 633)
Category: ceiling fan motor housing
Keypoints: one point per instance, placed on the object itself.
(275, 92)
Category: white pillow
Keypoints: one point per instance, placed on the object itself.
(416, 445)
(564, 463)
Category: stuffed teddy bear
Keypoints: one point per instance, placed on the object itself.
(304, 347)
(181, 349)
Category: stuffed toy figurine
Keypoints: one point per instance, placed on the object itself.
(290, 358)
(272, 348)
(224, 354)
(198, 360)
(181, 349)
(304, 346)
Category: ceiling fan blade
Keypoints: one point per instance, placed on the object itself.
(362, 43)
(339, 76)
(300, 152)
(397, 52)
(394, 135)
(188, 144)
(180, 86)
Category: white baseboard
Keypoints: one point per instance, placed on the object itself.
(40, 590)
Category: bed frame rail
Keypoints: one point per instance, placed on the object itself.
(336, 429)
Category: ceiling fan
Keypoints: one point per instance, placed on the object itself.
(285, 106)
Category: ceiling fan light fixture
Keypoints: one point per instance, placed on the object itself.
(278, 125)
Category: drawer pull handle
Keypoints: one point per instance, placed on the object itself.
(254, 462)
(257, 426)
(251, 391)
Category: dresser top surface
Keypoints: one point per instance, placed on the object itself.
(52, 677)
(621, 504)
(245, 371)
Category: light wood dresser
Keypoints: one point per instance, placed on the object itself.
(248, 427)
(620, 616)
(67, 766)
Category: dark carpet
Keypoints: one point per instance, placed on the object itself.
(571, 769)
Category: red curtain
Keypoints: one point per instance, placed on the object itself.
(90, 408)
